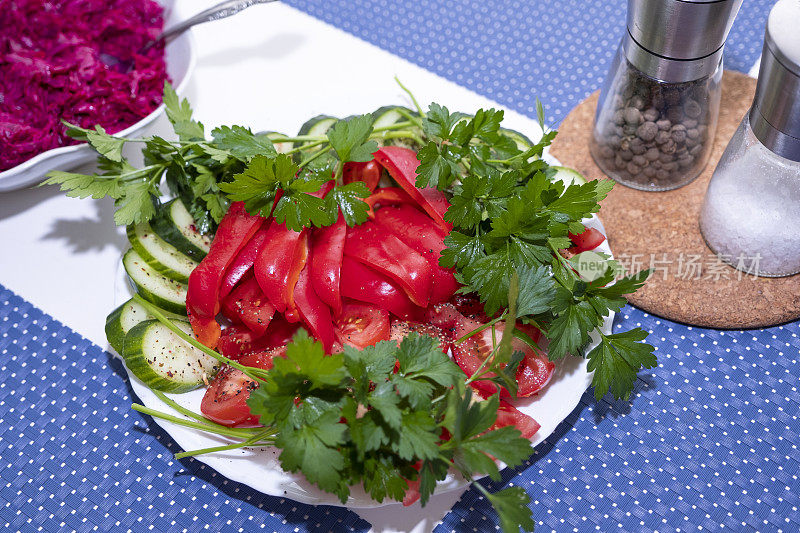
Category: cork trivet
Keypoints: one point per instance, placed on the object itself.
(660, 230)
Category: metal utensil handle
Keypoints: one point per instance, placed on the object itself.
(219, 11)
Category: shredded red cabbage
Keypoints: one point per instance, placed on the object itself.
(51, 67)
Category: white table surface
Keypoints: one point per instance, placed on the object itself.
(270, 67)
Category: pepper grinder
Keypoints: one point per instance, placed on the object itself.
(658, 109)
(751, 213)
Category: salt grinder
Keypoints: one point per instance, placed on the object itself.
(658, 109)
(751, 213)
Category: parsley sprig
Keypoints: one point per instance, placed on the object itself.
(235, 164)
(511, 221)
(380, 417)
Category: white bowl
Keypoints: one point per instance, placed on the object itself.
(180, 59)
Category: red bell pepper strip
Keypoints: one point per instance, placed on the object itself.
(380, 250)
(202, 299)
(417, 230)
(243, 262)
(248, 305)
(402, 163)
(313, 311)
(327, 246)
(280, 260)
(366, 285)
(387, 196)
(278, 265)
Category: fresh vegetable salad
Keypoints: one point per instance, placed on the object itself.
(54, 67)
(369, 296)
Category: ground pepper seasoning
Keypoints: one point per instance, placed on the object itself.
(658, 109)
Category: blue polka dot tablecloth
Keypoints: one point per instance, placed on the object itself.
(708, 441)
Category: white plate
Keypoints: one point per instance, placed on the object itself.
(180, 59)
(260, 469)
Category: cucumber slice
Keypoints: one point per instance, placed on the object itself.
(568, 176)
(164, 361)
(318, 125)
(123, 318)
(522, 141)
(275, 137)
(154, 287)
(388, 115)
(159, 254)
(176, 226)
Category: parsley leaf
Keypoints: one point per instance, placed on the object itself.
(179, 113)
(258, 183)
(83, 186)
(462, 250)
(439, 122)
(536, 291)
(241, 143)
(512, 506)
(136, 205)
(105, 144)
(438, 165)
(348, 139)
(570, 329)
(350, 199)
(312, 449)
(616, 361)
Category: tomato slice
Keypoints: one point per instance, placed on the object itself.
(361, 283)
(280, 332)
(589, 239)
(225, 400)
(368, 172)
(508, 415)
(533, 373)
(248, 305)
(401, 328)
(469, 305)
(327, 245)
(412, 493)
(402, 163)
(313, 311)
(382, 251)
(361, 325)
(421, 233)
